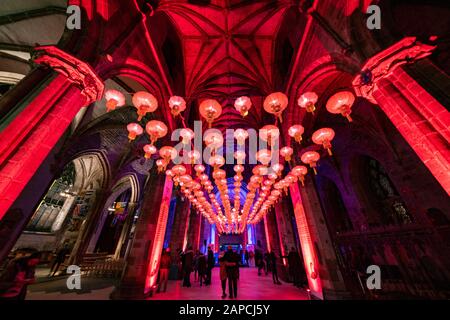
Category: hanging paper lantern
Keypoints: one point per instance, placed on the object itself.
(193, 156)
(187, 135)
(156, 130)
(210, 109)
(213, 139)
(149, 150)
(168, 153)
(114, 99)
(269, 134)
(217, 161)
(341, 103)
(177, 105)
(286, 153)
(240, 135)
(238, 169)
(311, 158)
(243, 105)
(179, 170)
(278, 168)
(134, 130)
(144, 102)
(240, 157)
(324, 137)
(308, 101)
(199, 169)
(161, 165)
(300, 172)
(264, 156)
(296, 132)
(275, 104)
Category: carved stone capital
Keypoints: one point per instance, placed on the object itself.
(78, 72)
(384, 63)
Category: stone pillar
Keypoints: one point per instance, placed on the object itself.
(420, 118)
(141, 264)
(27, 139)
(179, 224)
(321, 265)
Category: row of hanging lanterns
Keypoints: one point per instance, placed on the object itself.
(266, 185)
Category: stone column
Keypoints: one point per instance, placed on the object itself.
(321, 265)
(139, 274)
(422, 120)
(42, 118)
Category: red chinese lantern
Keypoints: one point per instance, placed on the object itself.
(199, 169)
(144, 102)
(216, 161)
(210, 109)
(269, 134)
(341, 103)
(240, 156)
(187, 135)
(311, 158)
(243, 105)
(149, 150)
(275, 104)
(324, 137)
(300, 172)
(114, 99)
(179, 170)
(213, 139)
(168, 153)
(134, 130)
(240, 135)
(156, 130)
(264, 156)
(296, 132)
(286, 153)
(308, 101)
(193, 156)
(177, 105)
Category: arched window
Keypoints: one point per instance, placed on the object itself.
(381, 194)
(45, 217)
(335, 210)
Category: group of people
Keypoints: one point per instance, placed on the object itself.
(229, 262)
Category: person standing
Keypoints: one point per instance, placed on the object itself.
(164, 267)
(188, 260)
(251, 258)
(211, 263)
(273, 263)
(202, 268)
(18, 275)
(58, 260)
(259, 260)
(232, 265)
(223, 274)
(246, 257)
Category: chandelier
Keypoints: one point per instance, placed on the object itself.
(232, 203)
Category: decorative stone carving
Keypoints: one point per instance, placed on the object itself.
(384, 63)
(78, 72)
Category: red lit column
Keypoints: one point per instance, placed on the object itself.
(143, 258)
(421, 119)
(27, 138)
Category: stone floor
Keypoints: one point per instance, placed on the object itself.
(251, 287)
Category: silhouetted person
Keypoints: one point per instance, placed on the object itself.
(195, 266)
(273, 263)
(187, 262)
(58, 260)
(232, 265)
(164, 267)
(17, 276)
(202, 268)
(259, 260)
(223, 274)
(211, 262)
